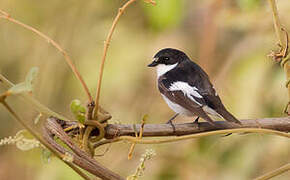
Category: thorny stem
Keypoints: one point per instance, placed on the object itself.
(6, 16)
(275, 172)
(47, 145)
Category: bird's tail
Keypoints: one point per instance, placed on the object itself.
(228, 116)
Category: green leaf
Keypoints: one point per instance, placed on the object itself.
(46, 155)
(81, 118)
(145, 117)
(27, 85)
(18, 89)
(74, 106)
(30, 77)
(78, 110)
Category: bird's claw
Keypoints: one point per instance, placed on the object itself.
(172, 125)
(197, 123)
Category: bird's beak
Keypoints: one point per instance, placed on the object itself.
(154, 63)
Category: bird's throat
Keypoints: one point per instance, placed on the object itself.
(162, 69)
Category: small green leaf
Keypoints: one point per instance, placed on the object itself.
(78, 110)
(27, 86)
(145, 117)
(46, 155)
(82, 109)
(81, 118)
(30, 77)
(18, 89)
(74, 106)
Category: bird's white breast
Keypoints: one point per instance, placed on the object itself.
(177, 108)
(162, 69)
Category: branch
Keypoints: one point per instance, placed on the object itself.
(283, 55)
(106, 46)
(30, 99)
(277, 24)
(275, 172)
(115, 133)
(153, 130)
(80, 158)
(5, 15)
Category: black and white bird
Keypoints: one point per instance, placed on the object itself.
(186, 88)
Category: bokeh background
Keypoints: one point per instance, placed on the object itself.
(230, 39)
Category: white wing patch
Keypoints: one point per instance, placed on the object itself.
(187, 90)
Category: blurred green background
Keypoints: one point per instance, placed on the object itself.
(229, 39)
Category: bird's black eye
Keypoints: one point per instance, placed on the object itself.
(164, 58)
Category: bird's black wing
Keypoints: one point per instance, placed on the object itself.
(199, 79)
(186, 100)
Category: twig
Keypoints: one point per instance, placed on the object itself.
(277, 23)
(130, 154)
(80, 158)
(275, 172)
(157, 130)
(54, 44)
(116, 132)
(282, 124)
(30, 99)
(284, 47)
(106, 46)
(210, 133)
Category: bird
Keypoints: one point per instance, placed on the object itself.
(186, 87)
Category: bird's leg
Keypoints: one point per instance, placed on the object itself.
(196, 122)
(170, 121)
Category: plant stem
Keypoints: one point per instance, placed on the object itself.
(30, 99)
(274, 173)
(106, 46)
(279, 34)
(277, 23)
(179, 138)
(54, 44)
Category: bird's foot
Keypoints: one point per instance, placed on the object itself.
(170, 122)
(197, 123)
(172, 125)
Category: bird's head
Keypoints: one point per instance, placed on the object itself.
(167, 57)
